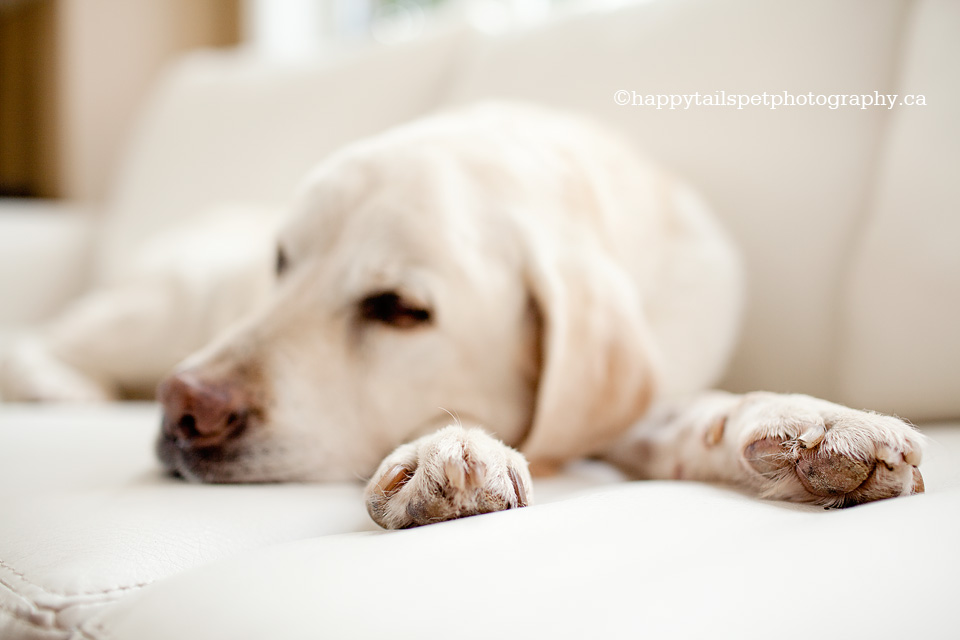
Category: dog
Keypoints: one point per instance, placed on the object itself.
(453, 303)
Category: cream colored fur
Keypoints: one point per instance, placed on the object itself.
(570, 286)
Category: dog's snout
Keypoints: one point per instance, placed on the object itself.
(201, 413)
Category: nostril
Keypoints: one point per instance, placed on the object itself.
(200, 413)
(236, 423)
(187, 427)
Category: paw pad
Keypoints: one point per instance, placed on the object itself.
(812, 467)
(830, 474)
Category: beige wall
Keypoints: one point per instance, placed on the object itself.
(77, 71)
(110, 52)
(28, 127)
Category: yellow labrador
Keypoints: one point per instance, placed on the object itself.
(523, 271)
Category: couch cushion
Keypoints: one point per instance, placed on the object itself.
(790, 183)
(900, 344)
(88, 516)
(91, 526)
(637, 560)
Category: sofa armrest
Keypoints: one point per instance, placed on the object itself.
(45, 252)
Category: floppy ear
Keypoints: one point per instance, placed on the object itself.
(597, 371)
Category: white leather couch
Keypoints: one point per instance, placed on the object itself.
(849, 222)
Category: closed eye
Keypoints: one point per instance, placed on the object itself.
(282, 262)
(391, 309)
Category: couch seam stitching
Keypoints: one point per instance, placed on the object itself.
(22, 615)
(89, 628)
(19, 616)
(67, 594)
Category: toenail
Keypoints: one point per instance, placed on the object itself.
(518, 488)
(394, 480)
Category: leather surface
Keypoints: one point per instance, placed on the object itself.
(641, 559)
(902, 296)
(88, 516)
(93, 534)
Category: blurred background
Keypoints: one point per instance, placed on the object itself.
(73, 73)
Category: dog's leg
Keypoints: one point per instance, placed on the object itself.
(124, 337)
(786, 447)
(104, 340)
(453, 473)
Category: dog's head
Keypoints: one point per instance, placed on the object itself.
(440, 270)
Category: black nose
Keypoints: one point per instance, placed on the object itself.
(201, 413)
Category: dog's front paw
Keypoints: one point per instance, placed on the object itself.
(809, 450)
(453, 473)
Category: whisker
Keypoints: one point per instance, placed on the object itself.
(456, 418)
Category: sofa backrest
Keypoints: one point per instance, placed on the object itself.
(843, 214)
(898, 343)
